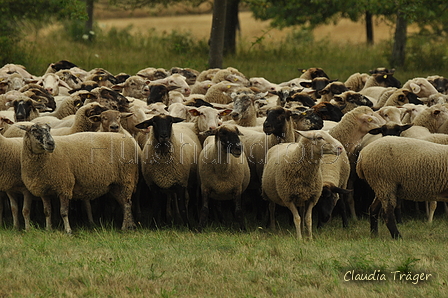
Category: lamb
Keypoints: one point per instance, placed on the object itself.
(79, 170)
(292, 176)
(169, 159)
(223, 171)
(381, 164)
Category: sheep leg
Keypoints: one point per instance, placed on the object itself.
(309, 219)
(374, 211)
(445, 207)
(297, 220)
(204, 210)
(47, 212)
(239, 211)
(272, 215)
(26, 209)
(342, 209)
(398, 212)
(14, 209)
(88, 208)
(389, 217)
(65, 202)
(431, 208)
(182, 205)
(1, 207)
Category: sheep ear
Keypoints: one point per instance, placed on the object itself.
(145, 124)
(208, 133)
(126, 115)
(194, 112)
(415, 88)
(24, 127)
(238, 132)
(6, 120)
(406, 126)
(306, 84)
(376, 131)
(225, 112)
(95, 118)
(305, 134)
(323, 92)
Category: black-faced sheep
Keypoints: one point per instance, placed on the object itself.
(223, 171)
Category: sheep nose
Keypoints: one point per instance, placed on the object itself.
(234, 115)
(114, 127)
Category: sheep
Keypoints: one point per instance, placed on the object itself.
(220, 92)
(207, 74)
(5, 123)
(396, 97)
(434, 99)
(420, 86)
(82, 121)
(190, 74)
(410, 111)
(330, 90)
(201, 87)
(110, 121)
(230, 75)
(11, 180)
(74, 167)
(402, 168)
(223, 171)
(11, 82)
(103, 77)
(432, 118)
(169, 159)
(356, 81)
(7, 98)
(206, 119)
(382, 80)
(25, 109)
(60, 65)
(134, 86)
(316, 85)
(159, 93)
(263, 84)
(390, 114)
(16, 68)
(152, 73)
(349, 131)
(349, 100)
(175, 80)
(244, 111)
(68, 106)
(109, 98)
(292, 176)
(440, 83)
(52, 82)
(70, 78)
(311, 73)
(39, 94)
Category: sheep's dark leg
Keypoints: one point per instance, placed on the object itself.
(239, 211)
(389, 217)
(309, 218)
(204, 210)
(182, 205)
(374, 210)
(397, 212)
(342, 209)
(14, 209)
(47, 212)
(88, 209)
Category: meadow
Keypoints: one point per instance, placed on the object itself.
(222, 261)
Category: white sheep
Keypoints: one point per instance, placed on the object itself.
(432, 118)
(223, 171)
(292, 176)
(80, 166)
(356, 81)
(134, 86)
(52, 82)
(402, 168)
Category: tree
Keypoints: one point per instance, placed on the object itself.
(14, 13)
(217, 34)
(314, 12)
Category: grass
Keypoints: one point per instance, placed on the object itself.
(105, 262)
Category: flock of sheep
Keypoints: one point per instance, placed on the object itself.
(186, 140)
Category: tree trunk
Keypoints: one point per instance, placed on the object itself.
(217, 34)
(89, 22)
(231, 27)
(369, 28)
(398, 51)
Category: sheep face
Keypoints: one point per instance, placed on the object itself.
(162, 127)
(276, 120)
(302, 98)
(158, 93)
(386, 80)
(327, 111)
(307, 119)
(327, 202)
(333, 88)
(40, 137)
(110, 120)
(390, 129)
(208, 118)
(23, 107)
(228, 137)
(441, 84)
(241, 104)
